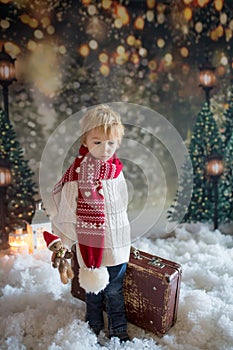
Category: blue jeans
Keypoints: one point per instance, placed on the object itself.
(113, 297)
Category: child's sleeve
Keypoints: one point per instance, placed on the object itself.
(64, 221)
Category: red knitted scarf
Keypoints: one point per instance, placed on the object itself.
(89, 172)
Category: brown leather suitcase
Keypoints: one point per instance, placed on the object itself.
(151, 287)
(76, 290)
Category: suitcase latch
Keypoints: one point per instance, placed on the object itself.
(156, 262)
(136, 254)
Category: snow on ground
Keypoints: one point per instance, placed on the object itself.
(38, 312)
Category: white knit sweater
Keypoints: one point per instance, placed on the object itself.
(117, 235)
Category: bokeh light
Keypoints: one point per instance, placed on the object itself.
(84, 50)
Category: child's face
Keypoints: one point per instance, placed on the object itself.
(99, 145)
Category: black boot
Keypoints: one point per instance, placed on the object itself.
(121, 334)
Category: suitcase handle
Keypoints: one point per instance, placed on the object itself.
(154, 261)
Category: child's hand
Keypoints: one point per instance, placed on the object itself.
(68, 254)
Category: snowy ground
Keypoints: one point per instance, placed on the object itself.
(38, 312)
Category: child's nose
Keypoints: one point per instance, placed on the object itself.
(105, 147)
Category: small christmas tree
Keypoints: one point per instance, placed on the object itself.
(205, 141)
(228, 123)
(180, 206)
(225, 203)
(29, 123)
(21, 191)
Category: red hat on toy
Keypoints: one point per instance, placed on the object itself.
(50, 239)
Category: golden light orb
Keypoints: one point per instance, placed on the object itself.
(62, 50)
(45, 21)
(122, 14)
(131, 40)
(4, 24)
(50, 30)
(91, 10)
(138, 43)
(103, 57)
(168, 59)
(220, 31)
(38, 34)
(25, 18)
(12, 48)
(139, 23)
(120, 49)
(150, 4)
(184, 51)
(135, 58)
(106, 4)
(150, 16)
(84, 50)
(198, 27)
(118, 23)
(160, 43)
(152, 65)
(218, 4)
(104, 70)
(214, 35)
(188, 13)
(31, 45)
(33, 23)
(202, 3)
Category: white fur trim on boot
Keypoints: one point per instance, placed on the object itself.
(93, 280)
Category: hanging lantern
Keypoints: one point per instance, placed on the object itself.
(207, 79)
(40, 223)
(7, 77)
(7, 68)
(18, 241)
(214, 165)
(5, 174)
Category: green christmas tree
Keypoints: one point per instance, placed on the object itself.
(225, 202)
(205, 141)
(21, 191)
(179, 207)
(228, 122)
(29, 123)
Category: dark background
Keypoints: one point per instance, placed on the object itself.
(56, 78)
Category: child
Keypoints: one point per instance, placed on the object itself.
(91, 200)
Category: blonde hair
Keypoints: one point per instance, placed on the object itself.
(104, 119)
